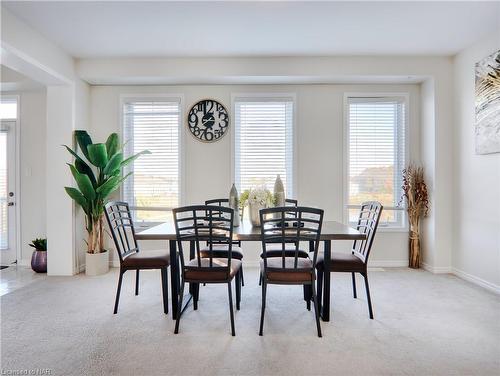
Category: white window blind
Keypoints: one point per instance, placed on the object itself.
(376, 155)
(154, 187)
(264, 143)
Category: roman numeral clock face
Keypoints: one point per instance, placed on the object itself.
(208, 120)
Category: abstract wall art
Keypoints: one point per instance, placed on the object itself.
(488, 105)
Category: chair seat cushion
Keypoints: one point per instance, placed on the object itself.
(277, 246)
(205, 273)
(220, 251)
(342, 262)
(289, 252)
(289, 274)
(148, 259)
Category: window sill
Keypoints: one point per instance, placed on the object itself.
(392, 229)
(385, 228)
(141, 226)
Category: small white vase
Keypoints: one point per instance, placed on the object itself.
(253, 210)
(96, 263)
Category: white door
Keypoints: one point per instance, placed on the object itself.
(8, 246)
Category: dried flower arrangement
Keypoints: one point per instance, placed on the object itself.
(417, 205)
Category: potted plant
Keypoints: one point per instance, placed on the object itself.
(417, 205)
(39, 256)
(98, 173)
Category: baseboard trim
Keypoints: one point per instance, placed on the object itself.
(437, 269)
(477, 281)
(24, 262)
(387, 263)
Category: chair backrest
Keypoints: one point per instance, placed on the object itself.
(218, 202)
(221, 202)
(204, 223)
(120, 224)
(368, 220)
(277, 226)
(291, 202)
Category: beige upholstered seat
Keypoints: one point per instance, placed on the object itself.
(204, 273)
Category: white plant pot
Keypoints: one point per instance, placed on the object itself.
(96, 263)
(254, 210)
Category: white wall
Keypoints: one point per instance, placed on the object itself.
(319, 144)
(476, 242)
(28, 52)
(32, 169)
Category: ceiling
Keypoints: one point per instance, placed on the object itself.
(165, 29)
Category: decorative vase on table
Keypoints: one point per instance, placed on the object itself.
(235, 205)
(254, 209)
(279, 194)
(258, 198)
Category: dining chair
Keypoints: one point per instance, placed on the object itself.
(220, 250)
(274, 250)
(212, 224)
(287, 269)
(121, 226)
(357, 260)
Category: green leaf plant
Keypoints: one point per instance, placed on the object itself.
(97, 173)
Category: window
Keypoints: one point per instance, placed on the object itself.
(376, 151)
(8, 108)
(264, 142)
(154, 187)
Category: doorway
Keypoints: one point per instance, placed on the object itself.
(8, 180)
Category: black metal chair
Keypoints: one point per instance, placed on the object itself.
(357, 261)
(274, 250)
(120, 223)
(214, 225)
(279, 227)
(220, 250)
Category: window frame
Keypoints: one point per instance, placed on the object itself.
(263, 97)
(18, 199)
(125, 98)
(405, 96)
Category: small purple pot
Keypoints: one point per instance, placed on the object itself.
(39, 261)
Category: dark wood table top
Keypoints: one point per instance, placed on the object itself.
(246, 232)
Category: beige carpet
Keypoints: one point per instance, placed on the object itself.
(424, 325)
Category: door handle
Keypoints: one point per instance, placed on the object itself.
(10, 204)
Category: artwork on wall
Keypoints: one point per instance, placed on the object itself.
(488, 105)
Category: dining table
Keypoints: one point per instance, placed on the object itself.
(246, 232)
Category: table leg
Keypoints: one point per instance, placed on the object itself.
(307, 288)
(192, 250)
(325, 312)
(174, 277)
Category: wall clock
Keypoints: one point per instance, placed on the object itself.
(208, 120)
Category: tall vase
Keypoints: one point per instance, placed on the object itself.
(279, 192)
(254, 210)
(235, 205)
(414, 246)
